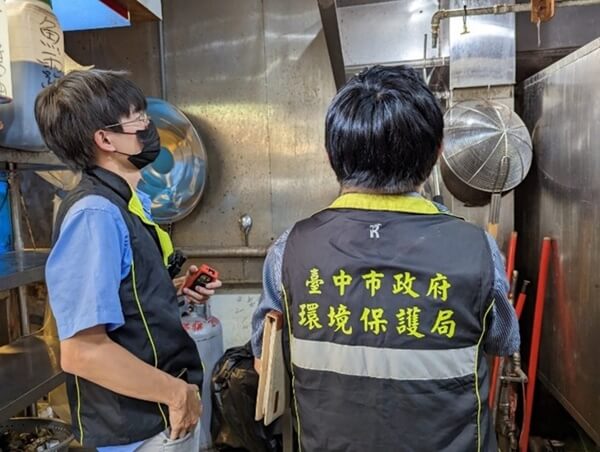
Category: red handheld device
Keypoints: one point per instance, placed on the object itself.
(202, 277)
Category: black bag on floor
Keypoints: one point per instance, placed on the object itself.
(234, 387)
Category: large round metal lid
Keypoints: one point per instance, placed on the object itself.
(176, 180)
(486, 145)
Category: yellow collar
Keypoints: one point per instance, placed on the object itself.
(135, 207)
(393, 203)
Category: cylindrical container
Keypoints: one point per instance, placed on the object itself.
(5, 78)
(37, 60)
(207, 332)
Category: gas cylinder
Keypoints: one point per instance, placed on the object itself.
(207, 333)
(36, 60)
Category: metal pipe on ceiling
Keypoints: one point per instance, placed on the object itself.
(495, 9)
(225, 252)
(193, 252)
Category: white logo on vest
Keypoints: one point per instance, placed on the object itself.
(374, 231)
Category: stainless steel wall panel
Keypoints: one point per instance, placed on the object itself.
(485, 56)
(215, 73)
(134, 49)
(255, 80)
(300, 87)
(388, 32)
(560, 200)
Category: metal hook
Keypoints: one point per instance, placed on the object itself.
(465, 29)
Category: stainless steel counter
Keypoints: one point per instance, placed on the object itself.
(29, 369)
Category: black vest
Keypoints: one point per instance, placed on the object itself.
(386, 304)
(152, 329)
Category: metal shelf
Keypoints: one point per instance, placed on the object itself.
(20, 268)
(42, 159)
(29, 369)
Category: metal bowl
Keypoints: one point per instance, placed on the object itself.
(62, 431)
(176, 180)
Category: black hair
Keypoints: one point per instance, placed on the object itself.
(73, 108)
(383, 130)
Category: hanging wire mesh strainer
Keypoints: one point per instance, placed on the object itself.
(481, 135)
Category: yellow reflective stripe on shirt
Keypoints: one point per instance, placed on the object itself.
(135, 207)
(479, 402)
(383, 362)
(148, 333)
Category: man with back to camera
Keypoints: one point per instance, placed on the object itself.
(388, 300)
(133, 372)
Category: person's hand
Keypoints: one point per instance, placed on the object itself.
(178, 283)
(185, 409)
(257, 365)
(196, 294)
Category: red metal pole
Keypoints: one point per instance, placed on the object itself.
(535, 340)
(511, 255)
(521, 299)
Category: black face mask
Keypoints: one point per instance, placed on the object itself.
(150, 141)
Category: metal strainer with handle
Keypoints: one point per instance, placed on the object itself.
(487, 152)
